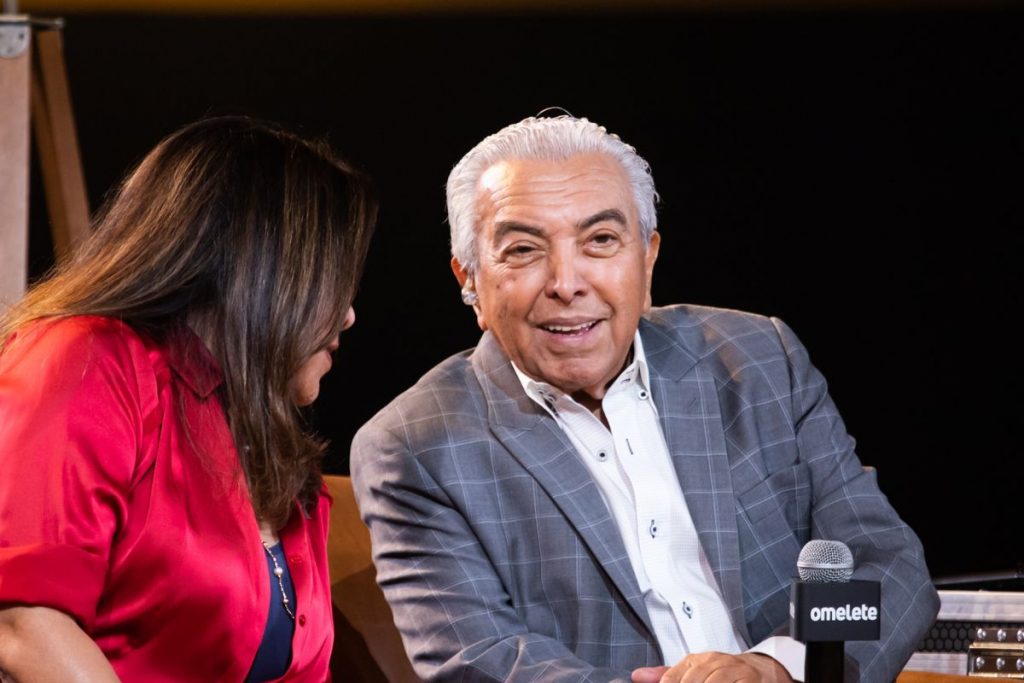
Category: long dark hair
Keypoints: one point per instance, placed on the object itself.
(253, 236)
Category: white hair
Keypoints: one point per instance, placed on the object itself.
(547, 139)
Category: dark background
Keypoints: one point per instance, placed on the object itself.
(857, 173)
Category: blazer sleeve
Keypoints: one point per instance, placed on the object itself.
(456, 619)
(848, 506)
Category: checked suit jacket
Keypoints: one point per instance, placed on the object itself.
(501, 561)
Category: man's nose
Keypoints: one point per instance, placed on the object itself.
(566, 279)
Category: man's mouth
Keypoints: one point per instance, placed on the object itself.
(570, 330)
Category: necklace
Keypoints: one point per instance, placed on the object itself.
(279, 573)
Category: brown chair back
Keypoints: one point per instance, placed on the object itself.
(359, 606)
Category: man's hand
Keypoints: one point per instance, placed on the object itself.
(716, 667)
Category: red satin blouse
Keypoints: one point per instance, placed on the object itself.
(111, 511)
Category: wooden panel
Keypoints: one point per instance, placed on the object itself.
(57, 142)
(397, 6)
(14, 160)
(927, 677)
(354, 587)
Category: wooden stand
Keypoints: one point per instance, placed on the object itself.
(34, 83)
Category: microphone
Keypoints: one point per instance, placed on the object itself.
(827, 609)
(825, 562)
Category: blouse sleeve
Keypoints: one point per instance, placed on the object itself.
(71, 424)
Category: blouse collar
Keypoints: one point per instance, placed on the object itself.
(192, 361)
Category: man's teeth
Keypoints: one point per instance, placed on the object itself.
(564, 329)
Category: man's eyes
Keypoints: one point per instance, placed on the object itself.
(603, 243)
(598, 241)
(518, 252)
(519, 249)
(604, 238)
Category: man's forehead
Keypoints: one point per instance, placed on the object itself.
(504, 170)
(541, 183)
(496, 177)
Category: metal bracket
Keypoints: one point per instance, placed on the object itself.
(997, 652)
(995, 661)
(14, 35)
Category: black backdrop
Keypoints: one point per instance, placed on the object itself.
(856, 173)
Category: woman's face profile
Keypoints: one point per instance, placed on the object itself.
(306, 382)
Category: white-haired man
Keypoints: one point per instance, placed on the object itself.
(602, 490)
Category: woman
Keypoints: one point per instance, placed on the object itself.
(162, 512)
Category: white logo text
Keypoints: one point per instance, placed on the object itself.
(844, 613)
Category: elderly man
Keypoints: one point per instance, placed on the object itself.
(602, 490)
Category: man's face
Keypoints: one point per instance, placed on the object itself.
(563, 273)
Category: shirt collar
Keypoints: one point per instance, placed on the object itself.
(547, 395)
(190, 360)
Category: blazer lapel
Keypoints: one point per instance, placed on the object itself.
(540, 446)
(686, 395)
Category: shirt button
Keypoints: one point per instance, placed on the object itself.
(302, 620)
(688, 611)
(643, 394)
(653, 529)
(602, 455)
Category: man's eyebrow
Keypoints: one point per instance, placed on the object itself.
(600, 217)
(503, 228)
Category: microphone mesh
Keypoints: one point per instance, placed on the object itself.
(825, 562)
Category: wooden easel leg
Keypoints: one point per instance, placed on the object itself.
(57, 143)
(14, 160)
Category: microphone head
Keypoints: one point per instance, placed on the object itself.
(825, 562)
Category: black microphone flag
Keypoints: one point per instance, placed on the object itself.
(826, 608)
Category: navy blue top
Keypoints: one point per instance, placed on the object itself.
(275, 653)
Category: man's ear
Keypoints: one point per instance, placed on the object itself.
(469, 294)
(649, 259)
(461, 274)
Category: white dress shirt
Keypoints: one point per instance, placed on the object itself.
(633, 470)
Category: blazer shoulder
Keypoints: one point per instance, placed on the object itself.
(444, 400)
(706, 330)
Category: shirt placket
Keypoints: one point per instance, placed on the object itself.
(631, 463)
(659, 523)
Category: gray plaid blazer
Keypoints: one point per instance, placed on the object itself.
(501, 561)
